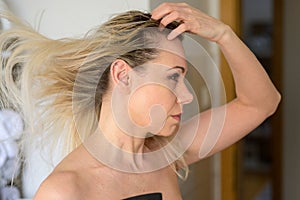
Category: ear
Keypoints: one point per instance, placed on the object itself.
(119, 70)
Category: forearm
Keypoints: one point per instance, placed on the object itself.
(253, 86)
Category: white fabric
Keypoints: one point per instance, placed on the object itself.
(10, 169)
(11, 148)
(3, 155)
(9, 193)
(11, 127)
(11, 124)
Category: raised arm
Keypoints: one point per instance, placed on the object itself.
(256, 96)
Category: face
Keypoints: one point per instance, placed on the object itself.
(160, 93)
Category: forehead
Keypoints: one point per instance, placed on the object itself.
(167, 60)
(171, 52)
(174, 47)
(170, 59)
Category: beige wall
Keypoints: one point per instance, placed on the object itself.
(61, 18)
(291, 100)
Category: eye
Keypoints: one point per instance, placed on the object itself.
(174, 77)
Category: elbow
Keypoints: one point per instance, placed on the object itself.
(273, 104)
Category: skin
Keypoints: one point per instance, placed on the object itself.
(81, 176)
(173, 69)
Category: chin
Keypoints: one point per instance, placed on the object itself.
(171, 130)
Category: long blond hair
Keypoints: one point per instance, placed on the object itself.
(39, 76)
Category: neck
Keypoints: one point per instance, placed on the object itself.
(115, 135)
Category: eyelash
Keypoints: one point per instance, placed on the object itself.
(174, 77)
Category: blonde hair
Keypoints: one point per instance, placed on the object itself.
(45, 79)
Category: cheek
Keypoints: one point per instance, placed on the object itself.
(144, 98)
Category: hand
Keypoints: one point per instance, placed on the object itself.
(192, 20)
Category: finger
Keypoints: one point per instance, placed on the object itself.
(177, 31)
(173, 16)
(161, 27)
(162, 10)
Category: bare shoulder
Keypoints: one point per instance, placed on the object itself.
(71, 178)
(61, 185)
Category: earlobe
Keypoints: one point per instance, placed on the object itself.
(119, 72)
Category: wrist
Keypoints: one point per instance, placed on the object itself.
(226, 36)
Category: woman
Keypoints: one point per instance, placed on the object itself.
(117, 126)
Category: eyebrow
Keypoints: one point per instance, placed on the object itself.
(178, 67)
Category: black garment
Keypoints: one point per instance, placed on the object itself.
(152, 196)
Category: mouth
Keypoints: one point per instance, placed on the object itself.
(177, 117)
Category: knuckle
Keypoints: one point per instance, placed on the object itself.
(187, 27)
(167, 5)
(189, 10)
(190, 18)
(176, 14)
(184, 4)
(184, 27)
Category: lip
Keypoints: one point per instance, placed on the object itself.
(177, 117)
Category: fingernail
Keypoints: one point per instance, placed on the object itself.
(171, 36)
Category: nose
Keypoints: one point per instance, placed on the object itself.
(184, 96)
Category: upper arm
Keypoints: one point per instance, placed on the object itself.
(60, 186)
(218, 128)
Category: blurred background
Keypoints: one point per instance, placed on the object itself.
(262, 166)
